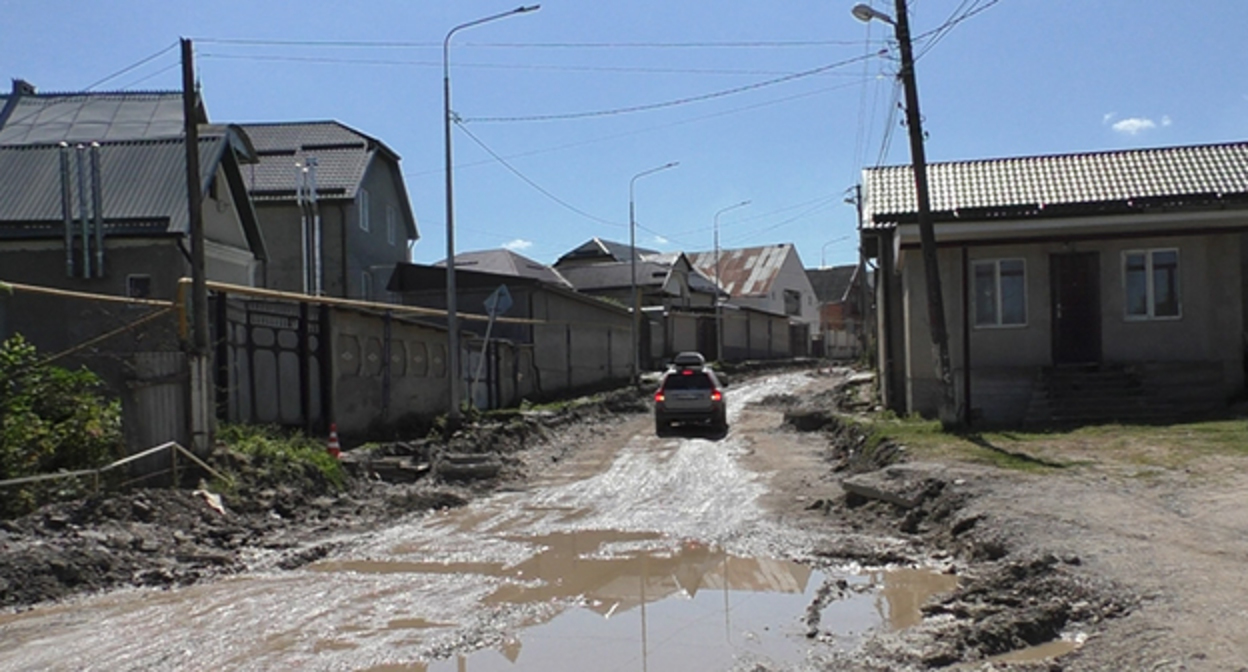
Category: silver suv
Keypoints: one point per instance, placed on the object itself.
(689, 392)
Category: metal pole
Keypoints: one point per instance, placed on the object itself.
(635, 325)
(452, 318)
(719, 311)
(927, 233)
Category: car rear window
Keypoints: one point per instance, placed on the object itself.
(687, 381)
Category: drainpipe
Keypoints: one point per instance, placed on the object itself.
(83, 211)
(97, 208)
(67, 209)
(966, 337)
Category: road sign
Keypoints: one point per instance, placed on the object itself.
(499, 302)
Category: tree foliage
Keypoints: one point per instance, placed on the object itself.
(51, 419)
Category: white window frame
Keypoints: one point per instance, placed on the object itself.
(1150, 289)
(362, 209)
(997, 322)
(392, 224)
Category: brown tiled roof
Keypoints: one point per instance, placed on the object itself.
(1061, 185)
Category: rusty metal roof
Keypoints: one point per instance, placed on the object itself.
(1061, 185)
(749, 271)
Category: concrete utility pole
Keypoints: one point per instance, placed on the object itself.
(201, 416)
(927, 232)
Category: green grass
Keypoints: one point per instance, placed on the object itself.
(1144, 446)
(283, 457)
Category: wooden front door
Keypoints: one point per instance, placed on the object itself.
(1075, 301)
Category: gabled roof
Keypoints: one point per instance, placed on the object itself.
(749, 271)
(506, 262)
(832, 285)
(1062, 185)
(343, 156)
(599, 250)
(49, 118)
(698, 281)
(142, 185)
(615, 275)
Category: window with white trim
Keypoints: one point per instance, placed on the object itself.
(361, 204)
(1151, 282)
(392, 224)
(1000, 292)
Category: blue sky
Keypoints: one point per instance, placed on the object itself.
(778, 103)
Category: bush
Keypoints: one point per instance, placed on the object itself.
(51, 419)
(267, 457)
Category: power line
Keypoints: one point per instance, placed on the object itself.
(390, 44)
(682, 122)
(495, 66)
(670, 103)
(132, 66)
(535, 185)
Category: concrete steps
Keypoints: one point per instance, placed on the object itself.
(1148, 393)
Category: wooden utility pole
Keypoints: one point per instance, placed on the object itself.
(194, 204)
(927, 233)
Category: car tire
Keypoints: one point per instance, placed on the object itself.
(661, 426)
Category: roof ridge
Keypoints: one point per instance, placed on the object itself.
(1065, 155)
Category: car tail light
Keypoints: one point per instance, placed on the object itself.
(716, 395)
(658, 396)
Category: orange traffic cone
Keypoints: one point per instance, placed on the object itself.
(334, 448)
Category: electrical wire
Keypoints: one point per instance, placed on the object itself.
(494, 66)
(670, 103)
(132, 66)
(535, 185)
(384, 44)
(159, 72)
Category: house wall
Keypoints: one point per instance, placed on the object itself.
(1005, 360)
(790, 276)
(280, 222)
(370, 252)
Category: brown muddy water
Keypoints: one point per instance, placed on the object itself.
(639, 554)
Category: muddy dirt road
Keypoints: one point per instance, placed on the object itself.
(629, 552)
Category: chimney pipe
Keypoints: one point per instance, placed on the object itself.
(83, 210)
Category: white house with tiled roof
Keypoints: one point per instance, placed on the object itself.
(1094, 287)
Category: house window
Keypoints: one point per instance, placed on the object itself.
(139, 286)
(392, 224)
(792, 302)
(366, 286)
(1000, 293)
(361, 204)
(1151, 278)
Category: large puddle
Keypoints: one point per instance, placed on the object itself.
(612, 601)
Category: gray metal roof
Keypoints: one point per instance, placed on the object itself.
(615, 275)
(143, 185)
(49, 118)
(749, 271)
(599, 250)
(506, 262)
(343, 156)
(831, 285)
(1061, 184)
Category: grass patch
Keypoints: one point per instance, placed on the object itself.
(1167, 447)
(269, 455)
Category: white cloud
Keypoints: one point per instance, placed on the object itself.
(660, 240)
(1108, 117)
(1165, 120)
(1134, 125)
(518, 244)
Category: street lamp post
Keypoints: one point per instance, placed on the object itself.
(452, 317)
(634, 326)
(927, 232)
(719, 311)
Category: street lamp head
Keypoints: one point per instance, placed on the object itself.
(865, 13)
(522, 9)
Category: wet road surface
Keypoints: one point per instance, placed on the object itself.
(638, 553)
